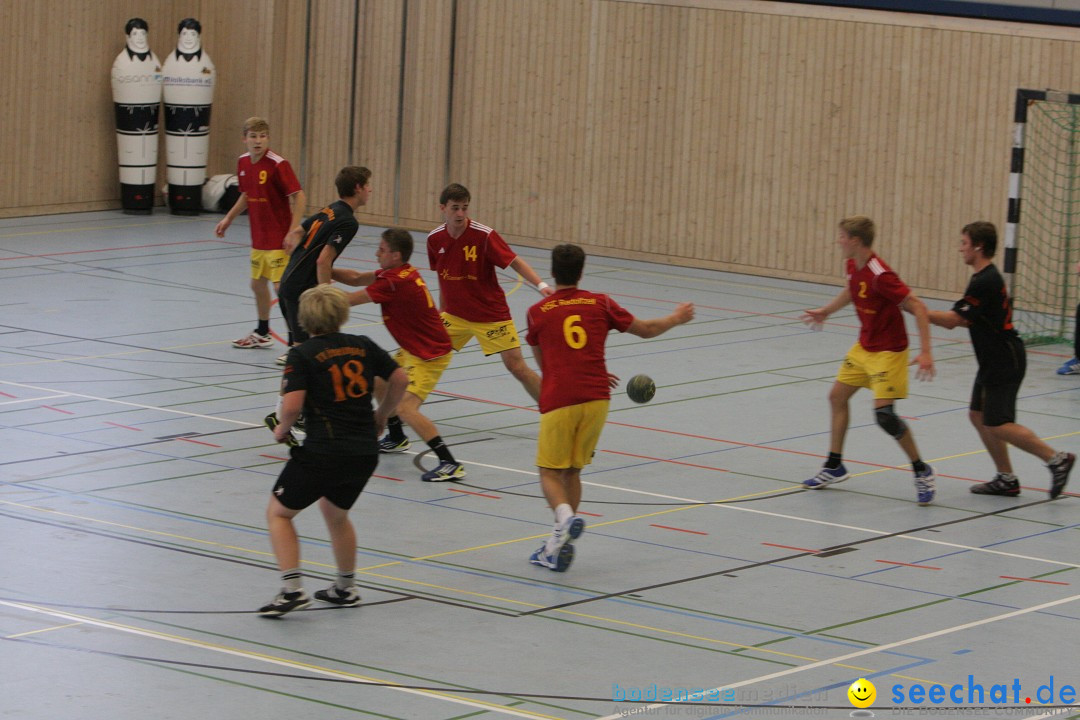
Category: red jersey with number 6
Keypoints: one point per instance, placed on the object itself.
(468, 285)
(877, 293)
(268, 185)
(571, 328)
(409, 312)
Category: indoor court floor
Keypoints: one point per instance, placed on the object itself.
(135, 472)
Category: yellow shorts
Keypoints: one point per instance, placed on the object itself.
(494, 337)
(886, 373)
(423, 374)
(568, 435)
(269, 264)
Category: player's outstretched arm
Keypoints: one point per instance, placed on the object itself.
(925, 359)
(523, 268)
(947, 319)
(658, 326)
(816, 317)
(238, 207)
(347, 276)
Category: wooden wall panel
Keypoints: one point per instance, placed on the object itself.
(726, 133)
(58, 153)
(329, 110)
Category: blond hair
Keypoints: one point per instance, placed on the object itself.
(256, 124)
(323, 309)
(859, 226)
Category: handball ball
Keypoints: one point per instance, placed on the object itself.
(641, 388)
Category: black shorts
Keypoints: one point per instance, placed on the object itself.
(997, 403)
(309, 476)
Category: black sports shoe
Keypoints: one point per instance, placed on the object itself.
(1060, 467)
(272, 422)
(390, 445)
(301, 423)
(1002, 484)
(285, 603)
(336, 596)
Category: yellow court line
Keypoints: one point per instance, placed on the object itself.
(273, 659)
(41, 630)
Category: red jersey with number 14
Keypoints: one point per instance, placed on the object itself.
(409, 312)
(877, 293)
(468, 285)
(268, 185)
(571, 328)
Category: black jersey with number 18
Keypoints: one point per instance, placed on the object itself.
(338, 372)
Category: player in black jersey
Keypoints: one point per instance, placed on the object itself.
(329, 377)
(326, 234)
(986, 310)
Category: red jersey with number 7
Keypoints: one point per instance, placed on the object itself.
(468, 285)
(877, 293)
(409, 312)
(571, 328)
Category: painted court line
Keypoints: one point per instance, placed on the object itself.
(668, 527)
(893, 562)
(296, 665)
(870, 651)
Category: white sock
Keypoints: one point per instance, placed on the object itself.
(563, 512)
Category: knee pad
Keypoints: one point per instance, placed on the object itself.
(890, 422)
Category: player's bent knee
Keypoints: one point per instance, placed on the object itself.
(890, 422)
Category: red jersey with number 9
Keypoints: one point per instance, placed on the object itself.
(571, 328)
(409, 312)
(877, 293)
(268, 185)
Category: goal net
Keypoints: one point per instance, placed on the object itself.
(1042, 242)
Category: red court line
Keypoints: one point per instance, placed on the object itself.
(457, 490)
(792, 547)
(8, 395)
(50, 407)
(582, 512)
(666, 527)
(198, 442)
(1048, 582)
(98, 250)
(274, 457)
(387, 477)
(126, 427)
(893, 562)
(673, 462)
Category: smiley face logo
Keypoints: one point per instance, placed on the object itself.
(862, 693)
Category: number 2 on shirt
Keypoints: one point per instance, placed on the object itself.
(349, 380)
(575, 335)
(862, 289)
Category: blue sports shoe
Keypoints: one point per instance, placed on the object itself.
(1072, 367)
(924, 486)
(446, 471)
(826, 477)
(557, 562)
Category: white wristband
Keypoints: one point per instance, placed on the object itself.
(542, 286)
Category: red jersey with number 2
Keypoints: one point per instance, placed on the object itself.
(571, 328)
(877, 293)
